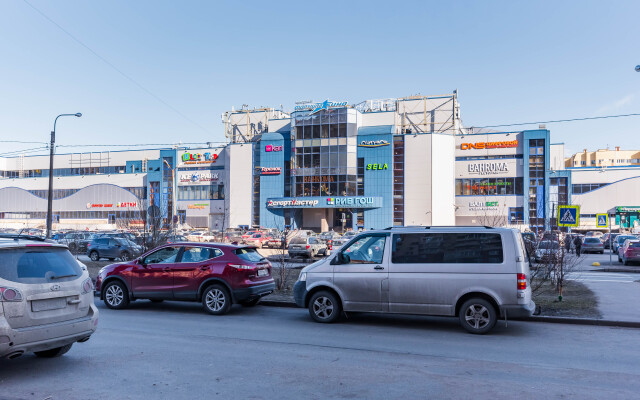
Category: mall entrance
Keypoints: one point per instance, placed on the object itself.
(326, 219)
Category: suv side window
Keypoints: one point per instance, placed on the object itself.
(162, 256)
(198, 254)
(447, 248)
(366, 250)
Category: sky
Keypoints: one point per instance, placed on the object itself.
(162, 72)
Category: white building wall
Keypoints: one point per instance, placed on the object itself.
(417, 180)
(238, 184)
(75, 182)
(556, 156)
(442, 179)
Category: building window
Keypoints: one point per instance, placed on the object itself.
(398, 180)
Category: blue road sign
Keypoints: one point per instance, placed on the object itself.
(568, 215)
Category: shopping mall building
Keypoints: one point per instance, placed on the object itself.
(328, 165)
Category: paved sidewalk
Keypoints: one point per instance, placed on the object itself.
(618, 294)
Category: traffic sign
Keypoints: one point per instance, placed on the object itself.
(568, 215)
(602, 220)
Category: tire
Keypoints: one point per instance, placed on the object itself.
(619, 259)
(111, 259)
(57, 352)
(125, 256)
(477, 316)
(602, 252)
(625, 262)
(116, 296)
(251, 303)
(216, 300)
(94, 256)
(324, 307)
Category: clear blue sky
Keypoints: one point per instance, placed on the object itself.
(510, 61)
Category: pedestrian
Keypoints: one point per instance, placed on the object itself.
(578, 243)
(567, 244)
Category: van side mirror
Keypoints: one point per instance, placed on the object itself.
(342, 258)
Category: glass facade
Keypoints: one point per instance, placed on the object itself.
(489, 186)
(536, 184)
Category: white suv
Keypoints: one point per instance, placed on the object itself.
(46, 298)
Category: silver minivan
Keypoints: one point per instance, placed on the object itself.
(475, 273)
(46, 299)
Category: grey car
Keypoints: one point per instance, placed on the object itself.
(477, 274)
(592, 244)
(306, 246)
(46, 299)
(112, 248)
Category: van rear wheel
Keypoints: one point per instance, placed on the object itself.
(324, 307)
(478, 316)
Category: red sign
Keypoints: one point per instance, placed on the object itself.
(489, 145)
(270, 171)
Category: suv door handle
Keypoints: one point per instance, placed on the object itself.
(378, 267)
(204, 268)
(166, 269)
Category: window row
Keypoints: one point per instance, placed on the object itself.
(201, 192)
(586, 187)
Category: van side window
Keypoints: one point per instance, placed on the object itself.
(366, 250)
(447, 248)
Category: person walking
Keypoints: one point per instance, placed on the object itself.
(567, 244)
(578, 243)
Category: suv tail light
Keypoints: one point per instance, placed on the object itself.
(240, 266)
(10, 294)
(87, 286)
(522, 281)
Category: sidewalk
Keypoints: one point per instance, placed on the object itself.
(617, 300)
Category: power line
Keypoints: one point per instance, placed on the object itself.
(116, 68)
(22, 142)
(559, 120)
(143, 144)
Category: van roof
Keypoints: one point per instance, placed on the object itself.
(418, 228)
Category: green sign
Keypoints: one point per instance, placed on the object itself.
(628, 209)
(377, 167)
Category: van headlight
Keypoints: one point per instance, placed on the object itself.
(302, 277)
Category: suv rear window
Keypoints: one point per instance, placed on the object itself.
(248, 254)
(447, 248)
(38, 265)
(592, 240)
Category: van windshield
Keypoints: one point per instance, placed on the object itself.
(38, 265)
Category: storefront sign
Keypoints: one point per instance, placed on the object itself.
(325, 105)
(111, 205)
(197, 206)
(326, 202)
(373, 143)
(483, 205)
(269, 148)
(188, 158)
(292, 202)
(127, 204)
(627, 209)
(488, 168)
(270, 171)
(489, 145)
(198, 177)
(377, 167)
(350, 201)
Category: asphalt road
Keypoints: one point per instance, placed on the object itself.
(176, 351)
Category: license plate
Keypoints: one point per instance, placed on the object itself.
(48, 304)
(263, 272)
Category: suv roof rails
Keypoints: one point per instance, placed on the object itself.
(438, 226)
(22, 237)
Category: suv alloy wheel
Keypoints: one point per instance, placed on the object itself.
(116, 296)
(216, 300)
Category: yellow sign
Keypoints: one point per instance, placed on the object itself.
(602, 220)
(568, 215)
(197, 206)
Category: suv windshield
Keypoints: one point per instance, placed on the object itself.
(248, 254)
(38, 265)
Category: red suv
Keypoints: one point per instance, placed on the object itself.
(217, 275)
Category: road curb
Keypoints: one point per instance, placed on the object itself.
(552, 320)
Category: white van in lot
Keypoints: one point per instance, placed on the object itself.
(46, 298)
(475, 273)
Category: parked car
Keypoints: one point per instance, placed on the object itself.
(233, 235)
(46, 296)
(176, 238)
(248, 234)
(275, 242)
(217, 275)
(547, 251)
(620, 240)
(629, 251)
(592, 244)
(196, 236)
(477, 274)
(596, 234)
(112, 248)
(608, 239)
(307, 247)
(76, 241)
(258, 239)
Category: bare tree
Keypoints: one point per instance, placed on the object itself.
(553, 269)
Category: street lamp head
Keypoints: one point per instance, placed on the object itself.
(78, 115)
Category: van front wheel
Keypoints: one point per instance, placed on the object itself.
(478, 316)
(324, 307)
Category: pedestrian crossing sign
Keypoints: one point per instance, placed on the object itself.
(602, 220)
(568, 215)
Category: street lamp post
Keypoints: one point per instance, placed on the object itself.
(50, 192)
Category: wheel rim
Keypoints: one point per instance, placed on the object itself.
(477, 316)
(124, 257)
(94, 256)
(114, 295)
(215, 300)
(323, 307)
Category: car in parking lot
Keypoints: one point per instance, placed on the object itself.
(76, 241)
(46, 298)
(607, 239)
(307, 247)
(619, 241)
(258, 239)
(547, 251)
(629, 252)
(112, 248)
(217, 275)
(477, 274)
(592, 245)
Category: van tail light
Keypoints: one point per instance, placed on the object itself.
(522, 281)
(240, 266)
(10, 294)
(308, 247)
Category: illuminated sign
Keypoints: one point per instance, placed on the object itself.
(373, 143)
(111, 205)
(292, 202)
(268, 148)
(488, 168)
(483, 205)
(198, 158)
(489, 145)
(198, 177)
(197, 206)
(270, 170)
(349, 201)
(377, 167)
(325, 105)
(326, 202)
(127, 204)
